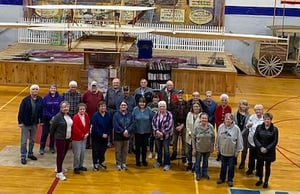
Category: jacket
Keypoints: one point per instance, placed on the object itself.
(165, 126)
(58, 126)
(267, 138)
(229, 140)
(191, 123)
(78, 129)
(122, 122)
(25, 116)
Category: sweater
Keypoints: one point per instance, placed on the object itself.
(191, 123)
(51, 105)
(229, 140)
(79, 130)
(203, 138)
(91, 100)
(142, 120)
(164, 126)
(101, 124)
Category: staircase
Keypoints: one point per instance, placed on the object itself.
(248, 70)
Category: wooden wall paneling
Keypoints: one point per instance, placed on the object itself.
(133, 76)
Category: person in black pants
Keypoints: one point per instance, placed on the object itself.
(101, 125)
(265, 139)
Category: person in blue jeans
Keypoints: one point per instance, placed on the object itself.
(203, 139)
(228, 144)
(162, 125)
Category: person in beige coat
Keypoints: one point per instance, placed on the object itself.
(191, 120)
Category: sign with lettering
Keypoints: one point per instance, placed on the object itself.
(202, 3)
(200, 16)
(172, 15)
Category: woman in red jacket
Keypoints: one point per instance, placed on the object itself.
(80, 131)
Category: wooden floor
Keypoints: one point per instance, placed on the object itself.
(281, 96)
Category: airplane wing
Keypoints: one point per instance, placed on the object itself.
(106, 28)
(213, 35)
(99, 7)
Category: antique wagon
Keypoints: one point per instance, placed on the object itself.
(270, 57)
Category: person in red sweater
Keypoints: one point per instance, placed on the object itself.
(91, 98)
(80, 132)
(220, 112)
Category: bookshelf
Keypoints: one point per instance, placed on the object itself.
(158, 73)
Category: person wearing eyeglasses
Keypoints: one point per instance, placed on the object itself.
(29, 116)
(228, 144)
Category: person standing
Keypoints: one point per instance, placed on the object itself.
(266, 140)
(73, 97)
(179, 111)
(29, 116)
(240, 118)
(51, 103)
(80, 132)
(196, 98)
(203, 140)
(168, 94)
(220, 112)
(123, 124)
(254, 120)
(112, 98)
(61, 129)
(229, 143)
(101, 128)
(192, 120)
(142, 128)
(143, 91)
(91, 98)
(211, 107)
(162, 125)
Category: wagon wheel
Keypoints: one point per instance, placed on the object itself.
(269, 66)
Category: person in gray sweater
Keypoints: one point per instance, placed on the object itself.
(229, 143)
(203, 139)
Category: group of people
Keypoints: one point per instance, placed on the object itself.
(154, 118)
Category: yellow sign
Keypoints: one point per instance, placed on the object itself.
(172, 15)
(202, 3)
(200, 16)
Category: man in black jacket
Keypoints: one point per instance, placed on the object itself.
(30, 114)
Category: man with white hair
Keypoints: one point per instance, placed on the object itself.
(169, 94)
(73, 97)
(30, 114)
(254, 120)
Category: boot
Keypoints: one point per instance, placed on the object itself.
(266, 182)
(173, 156)
(259, 182)
(242, 165)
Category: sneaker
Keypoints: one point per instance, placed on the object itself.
(230, 184)
(61, 176)
(76, 170)
(64, 170)
(32, 157)
(138, 163)
(166, 167)
(198, 177)
(52, 150)
(124, 167)
(220, 181)
(83, 168)
(41, 152)
(156, 165)
(96, 167)
(109, 145)
(265, 185)
(119, 168)
(23, 161)
(155, 156)
(103, 166)
(150, 155)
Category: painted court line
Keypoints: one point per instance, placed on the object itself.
(3, 106)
